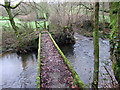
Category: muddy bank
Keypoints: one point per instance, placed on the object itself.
(63, 39)
(27, 43)
(66, 36)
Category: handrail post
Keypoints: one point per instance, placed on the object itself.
(39, 63)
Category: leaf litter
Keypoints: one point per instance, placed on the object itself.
(54, 72)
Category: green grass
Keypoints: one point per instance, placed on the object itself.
(6, 23)
(32, 24)
(4, 18)
(107, 18)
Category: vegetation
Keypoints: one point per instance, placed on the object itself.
(8, 7)
(23, 22)
(115, 38)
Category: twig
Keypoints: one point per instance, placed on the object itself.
(110, 76)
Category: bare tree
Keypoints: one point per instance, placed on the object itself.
(7, 5)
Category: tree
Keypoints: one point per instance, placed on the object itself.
(41, 12)
(115, 38)
(103, 16)
(8, 8)
(96, 47)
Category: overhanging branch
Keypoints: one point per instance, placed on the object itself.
(13, 7)
(2, 5)
(91, 8)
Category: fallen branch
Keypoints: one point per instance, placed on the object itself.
(110, 76)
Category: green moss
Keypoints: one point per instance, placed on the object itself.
(39, 63)
(6, 23)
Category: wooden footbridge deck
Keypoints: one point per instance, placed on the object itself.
(54, 70)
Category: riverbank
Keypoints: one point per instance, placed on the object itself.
(29, 42)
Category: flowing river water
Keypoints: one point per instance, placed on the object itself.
(19, 71)
(81, 58)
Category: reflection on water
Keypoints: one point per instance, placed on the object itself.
(18, 71)
(81, 58)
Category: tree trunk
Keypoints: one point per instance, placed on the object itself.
(36, 25)
(96, 47)
(45, 25)
(11, 19)
(103, 6)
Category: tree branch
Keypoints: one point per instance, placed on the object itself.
(16, 14)
(110, 76)
(13, 7)
(2, 5)
(91, 8)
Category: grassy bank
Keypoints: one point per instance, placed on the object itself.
(28, 35)
(4, 23)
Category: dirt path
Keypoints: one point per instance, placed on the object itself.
(54, 73)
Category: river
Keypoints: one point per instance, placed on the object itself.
(19, 71)
(81, 58)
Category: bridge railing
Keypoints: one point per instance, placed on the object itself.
(38, 63)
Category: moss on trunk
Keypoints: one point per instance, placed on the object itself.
(96, 47)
